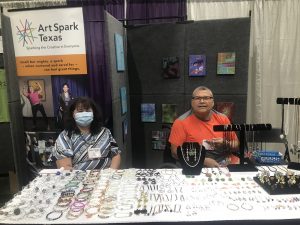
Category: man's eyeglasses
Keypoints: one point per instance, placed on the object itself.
(204, 98)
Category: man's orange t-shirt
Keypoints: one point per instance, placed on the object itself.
(188, 128)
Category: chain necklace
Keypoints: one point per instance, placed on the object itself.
(191, 151)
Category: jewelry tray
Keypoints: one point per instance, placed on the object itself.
(274, 188)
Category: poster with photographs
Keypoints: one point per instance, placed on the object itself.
(148, 112)
(169, 113)
(226, 63)
(226, 108)
(197, 65)
(159, 140)
(170, 66)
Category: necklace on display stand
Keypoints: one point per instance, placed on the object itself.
(287, 120)
(191, 156)
(191, 151)
(295, 147)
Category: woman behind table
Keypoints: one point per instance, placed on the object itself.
(85, 144)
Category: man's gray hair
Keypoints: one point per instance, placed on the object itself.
(202, 88)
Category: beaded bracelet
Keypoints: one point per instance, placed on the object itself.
(54, 215)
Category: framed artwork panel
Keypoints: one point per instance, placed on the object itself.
(169, 113)
(170, 66)
(148, 112)
(123, 100)
(119, 52)
(226, 108)
(197, 65)
(226, 63)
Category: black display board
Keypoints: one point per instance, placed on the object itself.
(149, 45)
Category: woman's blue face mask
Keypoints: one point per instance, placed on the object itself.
(84, 119)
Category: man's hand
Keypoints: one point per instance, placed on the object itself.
(208, 162)
(214, 143)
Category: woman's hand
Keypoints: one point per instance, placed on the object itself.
(116, 162)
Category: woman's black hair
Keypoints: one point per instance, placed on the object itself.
(85, 103)
(65, 84)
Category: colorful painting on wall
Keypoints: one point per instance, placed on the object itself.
(148, 112)
(169, 113)
(226, 63)
(123, 100)
(170, 66)
(119, 52)
(226, 108)
(197, 65)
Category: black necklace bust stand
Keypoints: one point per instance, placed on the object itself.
(191, 156)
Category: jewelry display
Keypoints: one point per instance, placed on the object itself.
(109, 196)
(190, 151)
(279, 183)
(191, 156)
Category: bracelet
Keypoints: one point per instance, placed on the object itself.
(77, 205)
(246, 206)
(123, 215)
(86, 189)
(105, 214)
(90, 211)
(71, 215)
(63, 203)
(54, 215)
(94, 203)
(83, 195)
(232, 207)
(124, 207)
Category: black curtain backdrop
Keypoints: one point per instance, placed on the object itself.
(158, 11)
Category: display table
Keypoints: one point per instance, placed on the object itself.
(149, 196)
